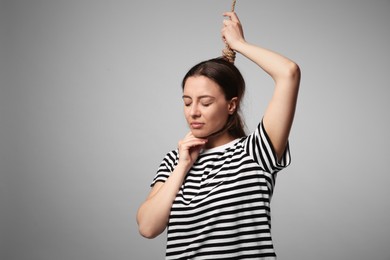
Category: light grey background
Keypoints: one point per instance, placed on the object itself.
(90, 103)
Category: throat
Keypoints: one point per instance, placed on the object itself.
(218, 140)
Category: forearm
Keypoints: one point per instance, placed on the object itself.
(276, 65)
(153, 215)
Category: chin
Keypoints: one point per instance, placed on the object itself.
(200, 133)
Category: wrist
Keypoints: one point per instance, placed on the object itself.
(183, 166)
(239, 45)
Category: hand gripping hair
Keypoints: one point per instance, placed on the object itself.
(227, 53)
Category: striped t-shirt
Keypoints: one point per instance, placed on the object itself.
(222, 210)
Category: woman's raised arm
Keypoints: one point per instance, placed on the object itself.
(279, 115)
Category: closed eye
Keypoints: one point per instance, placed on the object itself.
(206, 104)
(187, 101)
(207, 101)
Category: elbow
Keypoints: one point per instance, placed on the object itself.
(289, 72)
(148, 232)
(293, 71)
(149, 227)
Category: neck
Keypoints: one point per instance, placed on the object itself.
(216, 140)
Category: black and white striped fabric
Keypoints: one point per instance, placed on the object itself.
(222, 210)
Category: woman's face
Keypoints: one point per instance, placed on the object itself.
(205, 106)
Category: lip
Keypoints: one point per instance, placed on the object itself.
(196, 125)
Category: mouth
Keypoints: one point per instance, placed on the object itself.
(196, 125)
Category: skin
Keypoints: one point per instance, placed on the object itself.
(153, 214)
(207, 110)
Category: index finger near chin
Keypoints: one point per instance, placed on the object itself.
(189, 134)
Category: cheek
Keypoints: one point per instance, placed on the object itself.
(186, 113)
(218, 116)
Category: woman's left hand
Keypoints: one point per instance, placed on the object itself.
(232, 32)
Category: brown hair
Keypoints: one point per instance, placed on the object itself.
(232, 84)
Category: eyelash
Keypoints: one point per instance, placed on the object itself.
(205, 105)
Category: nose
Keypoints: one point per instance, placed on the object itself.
(194, 110)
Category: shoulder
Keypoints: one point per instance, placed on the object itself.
(171, 158)
(259, 147)
(167, 166)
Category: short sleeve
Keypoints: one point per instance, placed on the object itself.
(258, 145)
(166, 167)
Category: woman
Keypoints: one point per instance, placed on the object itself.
(213, 192)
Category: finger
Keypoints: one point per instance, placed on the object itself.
(235, 18)
(194, 142)
(227, 14)
(232, 16)
(191, 135)
(195, 150)
(227, 22)
(191, 141)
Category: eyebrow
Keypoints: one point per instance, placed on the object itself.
(200, 97)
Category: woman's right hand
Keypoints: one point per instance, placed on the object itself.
(153, 214)
(189, 149)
